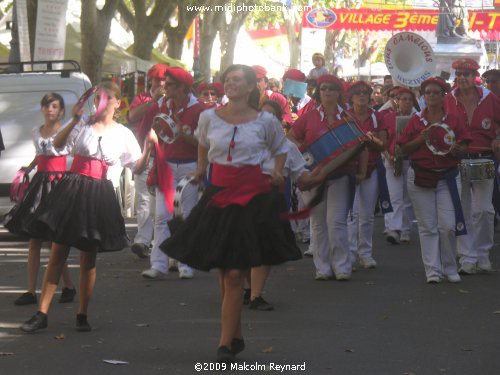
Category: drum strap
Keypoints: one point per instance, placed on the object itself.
(384, 197)
(450, 178)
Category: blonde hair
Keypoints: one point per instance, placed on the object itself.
(113, 87)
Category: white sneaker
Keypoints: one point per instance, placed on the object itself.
(322, 277)
(404, 238)
(186, 273)
(392, 237)
(485, 266)
(153, 274)
(342, 276)
(433, 280)
(454, 278)
(467, 269)
(367, 263)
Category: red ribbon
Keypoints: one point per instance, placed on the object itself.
(165, 177)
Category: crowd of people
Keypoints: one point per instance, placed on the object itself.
(248, 139)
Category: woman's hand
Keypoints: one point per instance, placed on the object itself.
(77, 112)
(198, 176)
(151, 138)
(277, 178)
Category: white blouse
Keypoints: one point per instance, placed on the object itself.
(254, 141)
(295, 164)
(44, 146)
(117, 144)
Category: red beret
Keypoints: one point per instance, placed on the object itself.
(360, 83)
(295, 75)
(465, 64)
(330, 78)
(260, 71)
(436, 80)
(157, 71)
(217, 87)
(404, 90)
(180, 75)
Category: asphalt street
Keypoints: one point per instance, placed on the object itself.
(385, 321)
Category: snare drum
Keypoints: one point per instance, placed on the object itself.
(477, 169)
(335, 147)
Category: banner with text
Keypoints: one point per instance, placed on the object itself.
(50, 35)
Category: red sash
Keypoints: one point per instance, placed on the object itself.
(90, 167)
(241, 184)
(165, 177)
(46, 163)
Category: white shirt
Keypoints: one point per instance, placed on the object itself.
(254, 141)
(44, 146)
(118, 144)
(295, 164)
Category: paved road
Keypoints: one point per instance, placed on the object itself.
(386, 321)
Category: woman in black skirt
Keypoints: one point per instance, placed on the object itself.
(50, 164)
(237, 223)
(82, 210)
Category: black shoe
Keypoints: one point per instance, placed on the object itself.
(67, 295)
(237, 346)
(140, 249)
(27, 298)
(82, 325)
(224, 355)
(37, 321)
(246, 296)
(260, 303)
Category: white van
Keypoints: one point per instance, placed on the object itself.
(20, 96)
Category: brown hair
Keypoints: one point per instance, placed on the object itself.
(113, 87)
(52, 97)
(278, 112)
(251, 78)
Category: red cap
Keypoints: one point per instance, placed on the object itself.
(219, 88)
(216, 86)
(465, 64)
(260, 71)
(157, 71)
(180, 75)
(330, 78)
(360, 83)
(438, 81)
(295, 75)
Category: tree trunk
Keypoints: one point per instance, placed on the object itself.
(175, 42)
(209, 27)
(293, 40)
(95, 26)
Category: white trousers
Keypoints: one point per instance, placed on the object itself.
(399, 218)
(360, 223)
(145, 208)
(301, 226)
(436, 226)
(479, 216)
(159, 260)
(329, 229)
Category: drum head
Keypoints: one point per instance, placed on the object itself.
(441, 139)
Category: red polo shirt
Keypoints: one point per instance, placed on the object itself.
(485, 119)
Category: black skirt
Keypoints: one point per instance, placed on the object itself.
(82, 212)
(38, 190)
(234, 237)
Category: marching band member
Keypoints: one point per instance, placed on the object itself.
(145, 201)
(174, 161)
(210, 93)
(329, 218)
(50, 164)
(374, 183)
(479, 107)
(492, 79)
(82, 211)
(236, 224)
(397, 222)
(434, 183)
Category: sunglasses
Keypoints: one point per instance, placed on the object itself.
(329, 88)
(430, 92)
(207, 93)
(463, 73)
(171, 84)
(361, 92)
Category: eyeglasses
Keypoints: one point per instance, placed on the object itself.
(361, 92)
(329, 88)
(463, 73)
(430, 92)
(208, 93)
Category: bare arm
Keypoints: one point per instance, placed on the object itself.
(140, 165)
(202, 162)
(62, 136)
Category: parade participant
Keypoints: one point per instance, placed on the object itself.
(174, 161)
(50, 164)
(367, 191)
(298, 105)
(434, 183)
(388, 80)
(479, 107)
(274, 85)
(492, 79)
(377, 98)
(329, 218)
(82, 211)
(311, 86)
(236, 225)
(319, 69)
(266, 94)
(397, 222)
(210, 93)
(145, 201)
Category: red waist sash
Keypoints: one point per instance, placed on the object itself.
(95, 168)
(46, 163)
(241, 184)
